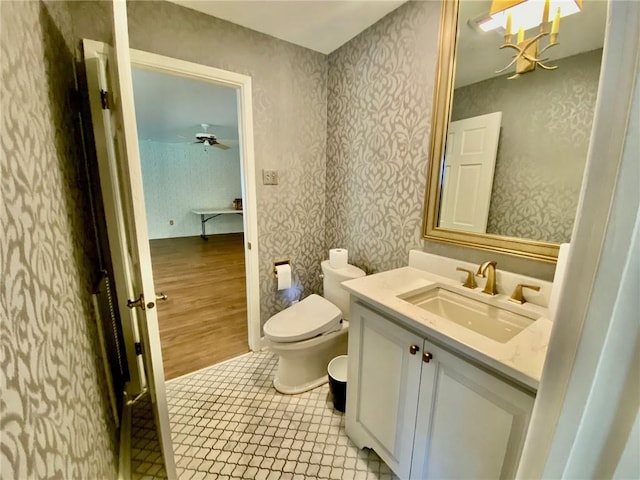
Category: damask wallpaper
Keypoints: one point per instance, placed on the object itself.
(54, 416)
(180, 177)
(546, 126)
(379, 114)
(290, 125)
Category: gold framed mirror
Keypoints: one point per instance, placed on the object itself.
(456, 21)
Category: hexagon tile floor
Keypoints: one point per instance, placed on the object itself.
(228, 422)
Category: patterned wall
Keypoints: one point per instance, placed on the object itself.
(362, 119)
(54, 413)
(379, 112)
(290, 119)
(180, 177)
(546, 126)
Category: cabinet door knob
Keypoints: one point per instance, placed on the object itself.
(427, 357)
(413, 349)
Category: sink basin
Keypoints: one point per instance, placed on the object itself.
(499, 324)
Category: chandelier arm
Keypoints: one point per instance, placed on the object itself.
(547, 48)
(515, 59)
(535, 39)
(531, 58)
(546, 67)
(509, 45)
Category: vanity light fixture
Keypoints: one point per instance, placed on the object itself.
(521, 15)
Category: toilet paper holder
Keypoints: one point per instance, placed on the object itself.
(279, 262)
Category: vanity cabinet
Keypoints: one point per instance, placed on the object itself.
(424, 410)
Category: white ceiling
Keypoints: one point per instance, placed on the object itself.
(170, 109)
(478, 56)
(319, 25)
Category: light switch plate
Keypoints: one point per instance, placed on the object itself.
(269, 177)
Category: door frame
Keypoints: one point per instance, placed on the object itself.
(242, 84)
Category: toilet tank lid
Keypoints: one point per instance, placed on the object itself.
(308, 318)
(350, 271)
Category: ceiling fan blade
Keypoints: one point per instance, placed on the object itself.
(221, 146)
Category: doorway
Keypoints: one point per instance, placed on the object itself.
(225, 265)
(191, 171)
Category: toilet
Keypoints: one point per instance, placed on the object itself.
(307, 335)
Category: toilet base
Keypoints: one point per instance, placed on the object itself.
(302, 366)
(289, 390)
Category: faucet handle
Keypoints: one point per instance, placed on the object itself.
(470, 282)
(518, 297)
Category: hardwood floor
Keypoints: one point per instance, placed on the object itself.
(204, 319)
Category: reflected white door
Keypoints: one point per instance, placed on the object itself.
(470, 159)
(114, 125)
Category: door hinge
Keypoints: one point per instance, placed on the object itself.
(138, 347)
(104, 99)
(249, 245)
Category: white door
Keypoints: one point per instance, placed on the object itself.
(470, 159)
(470, 424)
(114, 125)
(383, 387)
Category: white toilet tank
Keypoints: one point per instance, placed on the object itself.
(333, 291)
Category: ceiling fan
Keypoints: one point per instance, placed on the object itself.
(209, 138)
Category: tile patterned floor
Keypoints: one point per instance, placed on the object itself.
(229, 423)
(146, 457)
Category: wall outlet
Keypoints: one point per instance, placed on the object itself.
(170, 222)
(269, 177)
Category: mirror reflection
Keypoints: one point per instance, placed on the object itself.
(516, 148)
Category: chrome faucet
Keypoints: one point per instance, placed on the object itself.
(488, 270)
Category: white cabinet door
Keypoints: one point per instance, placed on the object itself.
(470, 424)
(383, 383)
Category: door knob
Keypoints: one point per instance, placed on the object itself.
(413, 349)
(427, 357)
(162, 296)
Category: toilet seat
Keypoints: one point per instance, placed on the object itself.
(306, 319)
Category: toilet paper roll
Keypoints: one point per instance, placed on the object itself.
(338, 257)
(283, 272)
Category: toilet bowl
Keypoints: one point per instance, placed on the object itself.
(309, 334)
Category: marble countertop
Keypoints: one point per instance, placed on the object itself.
(520, 359)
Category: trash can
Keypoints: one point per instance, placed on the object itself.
(338, 381)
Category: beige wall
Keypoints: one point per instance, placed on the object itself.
(56, 421)
(290, 118)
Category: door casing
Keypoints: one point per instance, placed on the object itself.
(242, 85)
